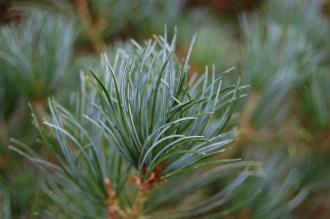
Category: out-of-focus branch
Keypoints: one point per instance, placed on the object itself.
(93, 27)
(247, 129)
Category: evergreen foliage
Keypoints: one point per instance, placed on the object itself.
(93, 125)
(143, 121)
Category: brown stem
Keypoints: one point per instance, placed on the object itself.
(94, 29)
(39, 106)
(143, 193)
(3, 132)
(113, 209)
(246, 214)
(4, 140)
(139, 204)
(247, 129)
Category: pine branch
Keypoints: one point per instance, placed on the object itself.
(141, 122)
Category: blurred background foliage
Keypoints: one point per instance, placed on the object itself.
(279, 47)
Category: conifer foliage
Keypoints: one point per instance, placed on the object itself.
(107, 111)
(141, 123)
